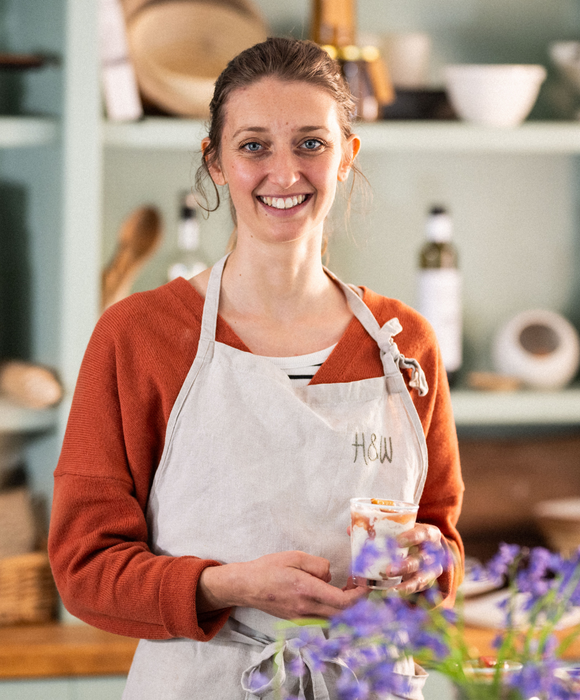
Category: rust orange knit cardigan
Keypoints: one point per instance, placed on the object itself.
(133, 369)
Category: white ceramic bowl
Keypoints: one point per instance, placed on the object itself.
(494, 94)
(559, 520)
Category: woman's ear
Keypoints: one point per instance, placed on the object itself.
(213, 166)
(349, 153)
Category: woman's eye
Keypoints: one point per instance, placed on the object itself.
(312, 144)
(253, 146)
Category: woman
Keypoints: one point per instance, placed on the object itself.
(201, 493)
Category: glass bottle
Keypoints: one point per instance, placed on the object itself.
(439, 289)
(188, 260)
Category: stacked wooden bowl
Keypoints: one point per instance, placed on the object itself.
(179, 48)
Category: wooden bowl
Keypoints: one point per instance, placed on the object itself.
(131, 7)
(179, 49)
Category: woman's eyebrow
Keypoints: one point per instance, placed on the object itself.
(312, 128)
(258, 129)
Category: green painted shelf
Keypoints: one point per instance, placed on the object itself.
(17, 419)
(516, 408)
(21, 132)
(407, 136)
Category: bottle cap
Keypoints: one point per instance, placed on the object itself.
(188, 225)
(439, 225)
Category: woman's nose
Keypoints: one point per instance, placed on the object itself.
(284, 169)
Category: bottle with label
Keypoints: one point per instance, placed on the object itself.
(188, 260)
(439, 289)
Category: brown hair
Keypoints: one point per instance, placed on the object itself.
(282, 58)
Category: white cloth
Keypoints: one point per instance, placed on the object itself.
(251, 466)
(301, 368)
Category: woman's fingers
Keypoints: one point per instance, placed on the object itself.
(288, 585)
(420, 533)
(419, 581)
(315, 566)
(418, 572)
(318, 599)
(350, 584)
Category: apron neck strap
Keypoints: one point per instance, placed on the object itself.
(212, 301)
(383, 336)
(359, 308)
(212, 298)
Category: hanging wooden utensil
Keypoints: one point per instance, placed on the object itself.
(139, 236)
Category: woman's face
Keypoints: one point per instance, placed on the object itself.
(282, 153)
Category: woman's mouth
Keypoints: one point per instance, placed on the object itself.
(284, 202)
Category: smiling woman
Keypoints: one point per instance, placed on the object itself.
(282, 154)
(201, 469)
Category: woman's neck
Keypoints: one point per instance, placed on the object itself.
(278, 299)
(277, 282)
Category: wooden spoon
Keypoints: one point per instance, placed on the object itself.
(139, 236)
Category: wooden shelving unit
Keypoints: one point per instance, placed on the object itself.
(513, 192)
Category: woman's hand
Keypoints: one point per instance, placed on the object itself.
(287, 585)
(418, 574)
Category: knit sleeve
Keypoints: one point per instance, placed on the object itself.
(442, 497)
(98, 539)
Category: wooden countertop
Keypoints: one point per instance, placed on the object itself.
(55, 650)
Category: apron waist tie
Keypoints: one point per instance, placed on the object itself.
(264, 679)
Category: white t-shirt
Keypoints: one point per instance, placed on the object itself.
(301, 368)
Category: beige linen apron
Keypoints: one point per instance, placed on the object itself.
(253, 466)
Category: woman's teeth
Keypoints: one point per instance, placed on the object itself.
(283, 202)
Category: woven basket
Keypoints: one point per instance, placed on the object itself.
(18, 527)
(27, 589)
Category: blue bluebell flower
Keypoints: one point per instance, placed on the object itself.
(373, 634)
(500, 564)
